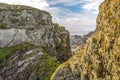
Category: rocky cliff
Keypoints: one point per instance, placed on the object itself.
(78, 41)
(31, 46)
(99, 59)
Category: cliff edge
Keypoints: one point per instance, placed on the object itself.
(31, 46)
(99, 59)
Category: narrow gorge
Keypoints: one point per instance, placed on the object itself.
(32, 47)
(99, 59)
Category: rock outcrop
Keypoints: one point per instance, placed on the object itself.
(99, 59)
(78, 41)
(31, 46)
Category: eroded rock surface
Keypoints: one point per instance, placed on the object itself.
(100, 58)
(31, 46)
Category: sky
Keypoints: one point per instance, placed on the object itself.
(78, 16)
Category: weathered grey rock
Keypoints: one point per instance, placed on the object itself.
(18, 62)
(19, 24)
(31, 46)
(10, 37)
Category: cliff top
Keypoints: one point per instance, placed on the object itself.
(4, 6)
(18, 16)
(100, 58)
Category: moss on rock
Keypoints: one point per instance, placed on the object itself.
(2, 25)
(7, 50)
(45, 67)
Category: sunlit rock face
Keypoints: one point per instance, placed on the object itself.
(99, 59)
(31, 46)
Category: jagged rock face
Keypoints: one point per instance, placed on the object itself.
(23, 17)
(100, 58)
(28, 63)
(78, 41)
(21, 25)
(19, 65)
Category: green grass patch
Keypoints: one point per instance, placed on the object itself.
(48, 67)
(7, 50)
(1, 10)
(2, 25)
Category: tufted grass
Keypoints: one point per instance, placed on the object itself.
(49, 65)
(2, 25)
(5, 51)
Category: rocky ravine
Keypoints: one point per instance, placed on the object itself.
(31, 46)
(99, 59)
(78, 41)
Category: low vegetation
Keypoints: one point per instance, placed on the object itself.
(2, 25)
(7, 50)
(46, 66)
(49, 66)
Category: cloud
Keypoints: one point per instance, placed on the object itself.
(40, 4)
(76, 23)
(92, 6)
(66, 2)
(62, 12)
